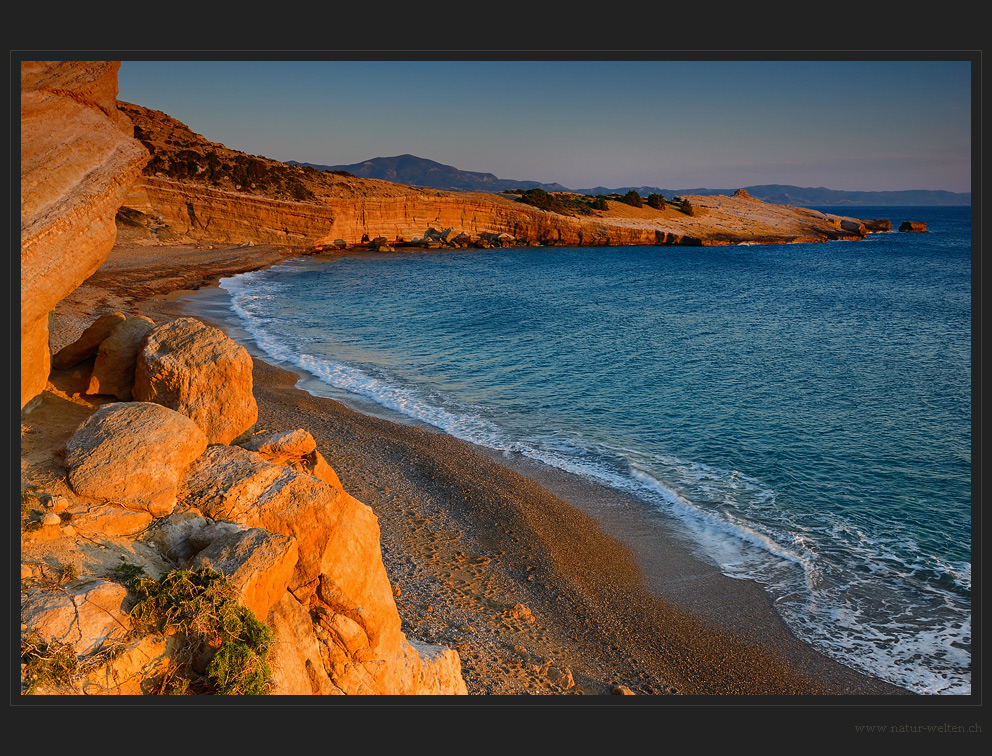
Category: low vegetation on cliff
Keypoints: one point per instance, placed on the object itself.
(179, 153)
(201, 605)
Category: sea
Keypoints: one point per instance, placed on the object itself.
(802, 412)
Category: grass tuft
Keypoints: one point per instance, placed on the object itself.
(46, 663)
(201, 605)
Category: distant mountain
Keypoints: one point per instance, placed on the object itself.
(415, 171)
(784, 194)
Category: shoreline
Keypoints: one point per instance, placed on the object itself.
(521, 568)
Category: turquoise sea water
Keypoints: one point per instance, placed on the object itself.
(803, 411)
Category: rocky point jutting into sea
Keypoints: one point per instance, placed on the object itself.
(147, 456)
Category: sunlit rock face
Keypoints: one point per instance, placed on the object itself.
(78, 158)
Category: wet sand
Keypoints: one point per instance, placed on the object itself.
(545, 583)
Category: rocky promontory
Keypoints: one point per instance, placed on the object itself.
(197, 191)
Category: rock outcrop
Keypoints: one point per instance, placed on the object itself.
(271, 516)
(913, 226)
(339, 577)
(197, 213)
(78, 158)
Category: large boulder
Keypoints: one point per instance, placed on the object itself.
(78, 159)
(233, 484)
(200, 372)
(117, 357)
(133, 453)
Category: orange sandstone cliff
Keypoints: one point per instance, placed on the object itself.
(78, 158)
(195, 190)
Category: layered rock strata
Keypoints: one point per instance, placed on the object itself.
(198, 213)
(78, 157)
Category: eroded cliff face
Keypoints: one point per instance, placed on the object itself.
(78, 157)
(199, 191)
(200, 214)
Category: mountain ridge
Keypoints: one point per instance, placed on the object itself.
(416, 171)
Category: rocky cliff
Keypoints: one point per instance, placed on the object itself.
(195, 190)
(78, 157)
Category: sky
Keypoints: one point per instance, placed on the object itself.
(872, 125)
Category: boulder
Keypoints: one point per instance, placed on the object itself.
(133, 453)
(113, 371)
(200, 372)
(84, 614)
(88, 342)
(296, 450)
(111, 520)
(853, 226)
(338, 535)
(913, 226)
(878, 225)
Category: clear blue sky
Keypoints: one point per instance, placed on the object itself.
(852, 125)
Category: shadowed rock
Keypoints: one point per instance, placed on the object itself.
(88, 342)
(113, 371)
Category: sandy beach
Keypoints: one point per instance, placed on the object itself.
(543, 582)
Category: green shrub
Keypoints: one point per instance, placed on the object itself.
(564, 204)
(632, 198)
(656, 201)
(201, 605)
(46, 663)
